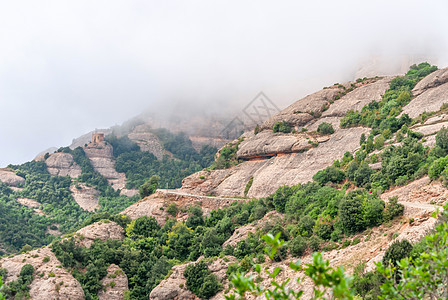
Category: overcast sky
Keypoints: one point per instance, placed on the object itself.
(67, 67)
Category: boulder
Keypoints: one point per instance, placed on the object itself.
(85, 196)
(9, 177)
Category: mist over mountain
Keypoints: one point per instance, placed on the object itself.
(67, 68)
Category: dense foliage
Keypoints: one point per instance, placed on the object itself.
(201, 281)
(139, 165)
(19, 288)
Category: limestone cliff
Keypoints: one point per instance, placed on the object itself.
(62, 164)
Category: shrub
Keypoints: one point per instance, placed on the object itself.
(330, 174)
(379, 142)
(351, 214)
(393, 209)
(325, 128)
(373, 212)
(281, 127)
(305, 225)
(172, 209)
(397, 251)
(201, 281)
(442, 139)
(314, 243)
(248, 186)
(149, 187)
(437, 167)
(362, 174)
(297, 246)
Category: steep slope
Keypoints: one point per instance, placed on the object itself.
(275, 159)
(265, 162)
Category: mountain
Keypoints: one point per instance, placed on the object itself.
(354, 169)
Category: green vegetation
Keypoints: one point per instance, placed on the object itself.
(325, 128)
(201, 281)
(139, 166)
(149, 187)
(382, 115)
(282, 127)
(227, 156)
(18, 289)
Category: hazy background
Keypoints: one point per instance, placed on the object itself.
(67, 67)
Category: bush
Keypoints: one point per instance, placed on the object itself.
(393, 209)
(297, 246)
(351, 214)
(314, 243)
(172, 209)
(281, 127)
(442, 139)
(325, 128)
(201, 281)
(330, 174)
(397, 251)
(149, 187)
(373, 212)
(362, 175)
(437, 167)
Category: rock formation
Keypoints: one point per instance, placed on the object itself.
(62, 164)
(103, 230)
(102, 159)
(53, 282)
(114, 284)
(9, 177)
(85, 196)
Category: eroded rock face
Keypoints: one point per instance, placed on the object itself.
(428, 101)
(147, 141)
(55, 283)
(102, 159)
(114, 284)
(433, 80)
(268, 143)
(85, 196)
(174, 287)
(270, 174)
(62, 164)
(302, 111)
(9, 177)
(358, 98)
(241, 233)
(103, 230)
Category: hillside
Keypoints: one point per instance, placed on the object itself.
(349, 170)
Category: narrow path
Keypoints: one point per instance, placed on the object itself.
(174, 192)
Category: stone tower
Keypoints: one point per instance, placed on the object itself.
(97, 138)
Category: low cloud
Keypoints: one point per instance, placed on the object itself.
(69, 67)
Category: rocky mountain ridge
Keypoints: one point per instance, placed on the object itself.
(269, 160)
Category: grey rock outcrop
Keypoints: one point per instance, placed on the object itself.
(147, 141)
(9, 177)
(432, 93)
(279, 170)
(85, 196)
(433, 80)
(54, 283)
(103, 230)
(358, 98)
(114, 284)
(102, 159)
(174, 287)
(62, 164)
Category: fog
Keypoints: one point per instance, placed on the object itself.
(68, 67)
